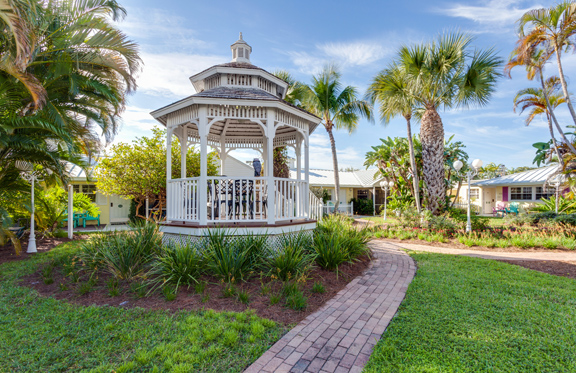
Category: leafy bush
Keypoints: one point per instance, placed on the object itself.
(297, 301)
(234, 260)
(567, 206)
(244, 297)
(337, 241)
(292, 260)
(409, 217)
(566, 219)
(124, 255)
(318, 288)
(363, 206)
(177, 264)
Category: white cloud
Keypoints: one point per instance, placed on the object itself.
(344, 54)
(493, 12)
(321, 154)
(168, 73)
(355, 53)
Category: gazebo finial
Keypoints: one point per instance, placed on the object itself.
(241, 50)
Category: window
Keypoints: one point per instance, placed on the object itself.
(521, 193)
(362, 193)
(544, 192)
(474, 194)
(89, 190)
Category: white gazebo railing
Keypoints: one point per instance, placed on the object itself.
(239, 199)
(316, 207)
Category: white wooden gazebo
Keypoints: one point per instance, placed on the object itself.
(238, 106)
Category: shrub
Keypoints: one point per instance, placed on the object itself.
(177, 264)
(290, 262)
(228, 290)
(566, 219)
(318, 288)
(289, 288)
(337, 241)
(244, 297)
(363, 206)
(169, 293)
(233, 260)
(297, 301)
(124, 255)
(274, 299)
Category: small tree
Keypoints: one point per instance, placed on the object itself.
(138, 171)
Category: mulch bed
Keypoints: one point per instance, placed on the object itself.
(188, 300)
(564, 269)
(42, 245)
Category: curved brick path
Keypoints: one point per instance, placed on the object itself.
(340, 336)
(563, 256)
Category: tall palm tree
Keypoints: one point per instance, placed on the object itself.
(534, 58)
(445, 73)
(339, 108)
(390, 90)
(537, 100)
(551, 29)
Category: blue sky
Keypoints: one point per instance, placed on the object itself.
(181, 38)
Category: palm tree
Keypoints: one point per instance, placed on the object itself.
(338, 107)
(390, 90)
(537, 100)
(551, 29)
(85, 67)
(534, 59)
(446, 73)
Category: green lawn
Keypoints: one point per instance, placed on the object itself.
(472, 315)
(43, 334)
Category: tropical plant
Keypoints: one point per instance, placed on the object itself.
(390, 90)
(566, 206)
(178, 265)
(445, 73)
(290, 262)
(338, 107)
(65, 71)
(551, 29)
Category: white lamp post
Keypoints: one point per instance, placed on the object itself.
(557, 186)
(476, 164)
(386, 186)
(29, 174)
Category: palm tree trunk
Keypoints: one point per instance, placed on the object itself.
(335, 162)
(564, 85)
(432, 138)
(560, 160)
(551, 111)
(415, 180)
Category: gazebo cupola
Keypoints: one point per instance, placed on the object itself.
(238, 105)
(241, 51)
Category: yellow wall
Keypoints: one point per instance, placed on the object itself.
(103, 203)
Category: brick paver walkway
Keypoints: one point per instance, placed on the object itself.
(563, 256)
(340, 336)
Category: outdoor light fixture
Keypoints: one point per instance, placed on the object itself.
(386, 186)
(472, 171)
(27, 172)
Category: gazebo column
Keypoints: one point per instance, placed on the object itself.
(183, 152)
(203, 181)
(307, 174)
(169, 133)
(269, 151)
(299, 160)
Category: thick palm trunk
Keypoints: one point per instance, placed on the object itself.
(335, 162)
(564, 85)
(432, 138)
(415, 180)
(551, 112)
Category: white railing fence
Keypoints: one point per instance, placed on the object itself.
(316, 207)
(473, 208)
(348, 209)
(182, 203)
(290, 199)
